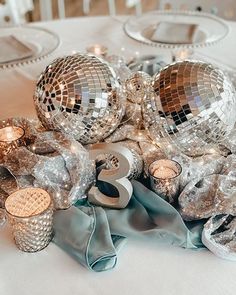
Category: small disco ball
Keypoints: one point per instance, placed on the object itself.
(136, 86)
(193, 105)
(80, 95)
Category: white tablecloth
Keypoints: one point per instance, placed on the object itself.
(142, 268)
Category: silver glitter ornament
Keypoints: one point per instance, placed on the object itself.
(136, 86)
(219, 236)
(81, 96)
(193, 106)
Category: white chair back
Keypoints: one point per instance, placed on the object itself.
(12, 12)
(223, 8)
(46, 7)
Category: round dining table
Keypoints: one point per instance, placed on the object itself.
(142, 268)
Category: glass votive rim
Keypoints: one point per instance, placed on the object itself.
(14, 194)
(15, 139)
(166, 178)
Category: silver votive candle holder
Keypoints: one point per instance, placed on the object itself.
(165, 178)
(11, 137)
(30, 213)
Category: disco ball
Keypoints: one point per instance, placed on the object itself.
(80, 95)
(136, 86)
(193, 105)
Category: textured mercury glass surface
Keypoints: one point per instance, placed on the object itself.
(10, 137)
(193, 105)
(219, 236)
(30, 214)
(166, 185)
(80, 95)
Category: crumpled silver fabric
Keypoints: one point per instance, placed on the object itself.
(133, 114)
(121, 133)
(8, 185)
(211, 195)
(197, 168)
(66, 171)
(219, 236)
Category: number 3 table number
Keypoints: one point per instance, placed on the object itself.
(116, 177)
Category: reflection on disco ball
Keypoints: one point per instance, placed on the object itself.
(80, 95)
(192, 105)
(136, 86)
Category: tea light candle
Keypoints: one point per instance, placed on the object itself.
(10, 138)
(164, 178)
(11, 133)
(30, 212)
(98, 50)
(164, 172)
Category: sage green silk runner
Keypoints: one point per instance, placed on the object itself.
(93, 235)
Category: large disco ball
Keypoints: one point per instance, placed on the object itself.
(192, 105)
(80, 95)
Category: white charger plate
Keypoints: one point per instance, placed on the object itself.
(42, 42)
(211, 29)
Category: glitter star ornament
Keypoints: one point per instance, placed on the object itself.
(192, 105)
(81, 96)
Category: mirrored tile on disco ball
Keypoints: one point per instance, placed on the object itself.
(213, 194)
(137, 87)
(219, 236)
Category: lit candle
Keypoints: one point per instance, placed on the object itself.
(98, 50)
(11, 133)
(164, 172)
(30, 214)
(11, 137)
(164, 178)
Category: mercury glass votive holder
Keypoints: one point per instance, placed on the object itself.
(30, 213)
(11, 137)
(165, 178)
